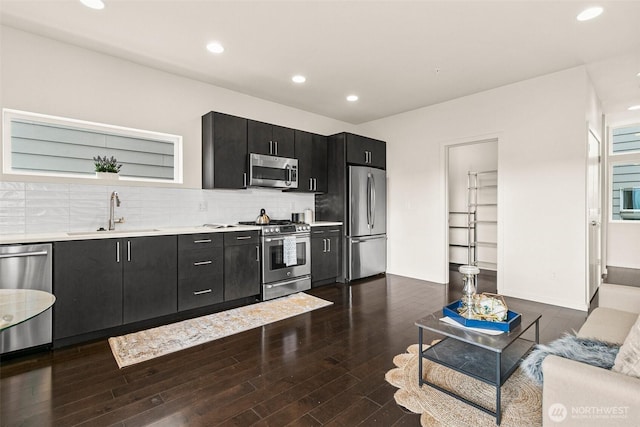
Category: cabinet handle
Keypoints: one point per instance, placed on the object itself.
(129, 250)
(206, 291)
(329, 243)
(202, 263)
(334, 231)
(117, 251)
(318, 232)
(258, 253)
(244, 179)
(324, 245)
(276, 144)
(202, 241)
(243, 237)
(271, 147)
(310, 184)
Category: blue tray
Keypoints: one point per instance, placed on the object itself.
(513, 319)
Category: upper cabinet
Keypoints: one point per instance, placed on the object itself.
(224, 151)
(273, 140)
(311, 152)
(366, 151)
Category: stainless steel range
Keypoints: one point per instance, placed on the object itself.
(286, 258)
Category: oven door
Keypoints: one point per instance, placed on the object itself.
(285, 257)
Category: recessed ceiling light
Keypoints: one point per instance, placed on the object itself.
(634, 108)
(215, 47)
(638, 75)
(590, 13)
(352, 98)
(299, 79)
(93, 4)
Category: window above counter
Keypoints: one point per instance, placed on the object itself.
(58, 147)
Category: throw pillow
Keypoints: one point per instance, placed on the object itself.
(628, 359)
(587, 350)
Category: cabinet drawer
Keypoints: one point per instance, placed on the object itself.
(200, 291)
(326, 231)
(199, 241)
(201, 262)
(241, 238)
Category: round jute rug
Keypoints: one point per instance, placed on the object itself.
(521, 398)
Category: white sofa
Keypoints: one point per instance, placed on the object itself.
(577, 394)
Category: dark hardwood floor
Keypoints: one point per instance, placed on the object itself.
(325, 367)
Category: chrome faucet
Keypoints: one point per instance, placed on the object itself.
(115, 200)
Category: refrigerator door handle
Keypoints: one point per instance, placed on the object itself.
(369, 201)
(373, 201)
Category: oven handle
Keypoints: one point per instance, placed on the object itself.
(277, 239)
(288, 282)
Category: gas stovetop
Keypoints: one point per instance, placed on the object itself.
(280, 226)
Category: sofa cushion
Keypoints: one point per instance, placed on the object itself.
(608, 324)
(628, 358)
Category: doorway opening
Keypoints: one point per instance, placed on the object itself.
(472, 200)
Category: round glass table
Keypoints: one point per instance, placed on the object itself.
(19, 305)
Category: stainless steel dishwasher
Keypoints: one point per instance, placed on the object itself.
(26, 267)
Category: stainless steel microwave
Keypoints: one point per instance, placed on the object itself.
(272, 171)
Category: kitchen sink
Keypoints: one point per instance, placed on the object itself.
(88, 233)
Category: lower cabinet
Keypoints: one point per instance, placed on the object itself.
(87, 283)
(241, 265)
(104, 283)
(150, 274)
(325, 254)
(200, 270)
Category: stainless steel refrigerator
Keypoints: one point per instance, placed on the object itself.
(366, 238)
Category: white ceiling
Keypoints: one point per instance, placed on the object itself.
(396, 55)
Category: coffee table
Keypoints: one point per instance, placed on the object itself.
(488, 358)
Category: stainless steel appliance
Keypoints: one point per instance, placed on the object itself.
(26, 267)
(366, 239)
(272, 171)
(286, 258)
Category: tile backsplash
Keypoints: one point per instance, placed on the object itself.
(27, 207)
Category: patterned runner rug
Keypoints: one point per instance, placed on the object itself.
(144, 345)
(521, 398)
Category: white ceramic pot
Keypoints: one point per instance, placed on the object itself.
(107, 175)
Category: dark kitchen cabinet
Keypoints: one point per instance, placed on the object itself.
(325, 254)
(200, 270)
(241, 265)
(273, 140)
(150, 274)
(87, 277)
(311, 152)
(366, 151)
(224, 151)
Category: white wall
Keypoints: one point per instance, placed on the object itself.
(540, 124)
(42, 75)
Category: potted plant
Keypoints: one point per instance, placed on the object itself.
(107, 167)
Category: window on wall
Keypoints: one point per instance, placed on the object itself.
(626, 139)
(35, 144)
(625, 173)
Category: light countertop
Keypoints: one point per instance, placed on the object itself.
(8, 239)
